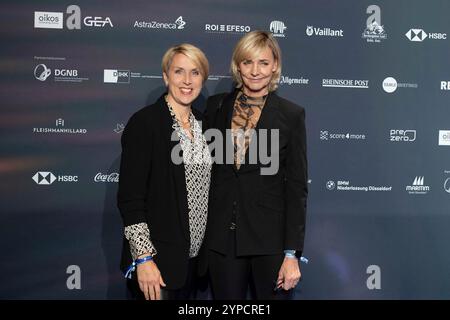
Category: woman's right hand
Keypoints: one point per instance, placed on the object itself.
(150, 280)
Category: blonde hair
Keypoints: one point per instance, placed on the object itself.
(251, 45)
(192, 52)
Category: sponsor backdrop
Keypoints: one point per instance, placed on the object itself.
(373, 76)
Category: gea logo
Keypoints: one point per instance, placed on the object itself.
(74, 19)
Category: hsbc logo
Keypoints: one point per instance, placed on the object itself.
(419, 35)
(47, 178)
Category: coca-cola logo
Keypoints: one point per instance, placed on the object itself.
(112, 177)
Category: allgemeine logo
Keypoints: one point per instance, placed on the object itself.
(374, 31)
(47, 178)
(277, 28)
(400, 135)
(178, 24)
(286, 80)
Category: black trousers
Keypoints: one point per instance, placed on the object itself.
(187, 292)
(232, 276)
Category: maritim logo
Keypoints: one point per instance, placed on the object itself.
(418, 186)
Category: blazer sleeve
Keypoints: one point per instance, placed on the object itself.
(135, 167)
(296, 185)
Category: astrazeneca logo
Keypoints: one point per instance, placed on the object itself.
(445, 85)
(112, 177)
(374, 31)
(47, 178)
(444, 137)
(324, 32)
(277, 28)
(286, 80)
(116, 76)
(177, 25)
(226, 28)
(400, 135)
(59, 129)
(418, 186)
(345, 185)
(325, 136)
(54, 20)
(41, 72)
(48, 20)
(390, 85)
(344, 83)
(419, 35)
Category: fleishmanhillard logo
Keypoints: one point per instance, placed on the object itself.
(324, 32)
(59, 129)
(418, 186)
(178, 24)
(277, 28)
(374, 31)
(54, 20)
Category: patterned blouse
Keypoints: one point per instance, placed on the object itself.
(197, 165)
(246, 113)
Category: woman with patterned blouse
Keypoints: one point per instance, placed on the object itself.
(164, 183)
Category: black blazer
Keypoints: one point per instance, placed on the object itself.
(152, 189)
(270, 209)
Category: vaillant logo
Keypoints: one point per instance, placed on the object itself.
(324, 32)
(277, 28)
(374, 31)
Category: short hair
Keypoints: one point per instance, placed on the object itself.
(251, 45)
(192, 52)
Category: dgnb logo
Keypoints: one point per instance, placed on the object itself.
(41, 72)
(374, 280)
(277, 28)
(116, 76)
